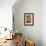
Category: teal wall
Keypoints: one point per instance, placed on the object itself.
(29, 32)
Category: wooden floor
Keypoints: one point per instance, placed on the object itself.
(9, 43)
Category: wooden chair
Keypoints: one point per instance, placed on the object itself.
(18, 39)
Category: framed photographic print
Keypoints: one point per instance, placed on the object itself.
(28, 19)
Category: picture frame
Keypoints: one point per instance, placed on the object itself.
(28, 19)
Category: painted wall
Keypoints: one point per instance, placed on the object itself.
(29, 32)
(43, 22)
(6, 13)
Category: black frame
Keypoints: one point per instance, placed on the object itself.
(30, 15)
